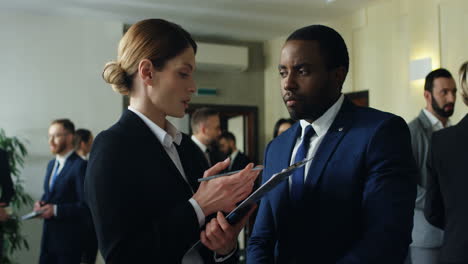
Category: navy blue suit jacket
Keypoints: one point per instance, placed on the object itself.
(63, 233)
(358, 201)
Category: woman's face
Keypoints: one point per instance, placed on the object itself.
(283, 127)
(174, 85)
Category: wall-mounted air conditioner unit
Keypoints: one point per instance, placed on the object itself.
(217, 57)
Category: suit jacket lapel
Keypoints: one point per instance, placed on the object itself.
(186, 161)
(63, 173)
(50, 166)
(327, 147)
(283, 160)
(426, 124)
(148, 138)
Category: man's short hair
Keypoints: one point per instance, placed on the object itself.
(66, 123)
(201, 115)
(331, 44)
(439, 73)
(81, 135)
(228, 136)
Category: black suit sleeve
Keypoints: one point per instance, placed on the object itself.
(434, 209)
(5, 179)
(129, 228)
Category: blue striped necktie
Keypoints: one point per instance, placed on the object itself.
(297, 185)
(54, 175)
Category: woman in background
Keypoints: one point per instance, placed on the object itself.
(282, 125)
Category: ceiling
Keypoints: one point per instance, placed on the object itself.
(250, 20)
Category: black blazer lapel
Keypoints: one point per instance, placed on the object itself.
(149, 139)
(193, 166)
(284, 152)
(50, 166)
(327, 147)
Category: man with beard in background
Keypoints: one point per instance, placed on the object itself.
(440, 94)
(227, 145)
(206, 129)
(62, 204)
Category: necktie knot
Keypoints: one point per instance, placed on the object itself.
(308, 133)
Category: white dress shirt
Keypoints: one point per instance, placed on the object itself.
(435, 122)
(61, 160)
(203, 148)
(233, 157)
(321, 126)
(168, 138)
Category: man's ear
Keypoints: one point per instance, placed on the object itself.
(340, 75)
(202, 128)
(145, 71)
(428, 96)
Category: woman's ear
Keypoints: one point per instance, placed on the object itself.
(145, 71)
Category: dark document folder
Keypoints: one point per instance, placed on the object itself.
(235, 215)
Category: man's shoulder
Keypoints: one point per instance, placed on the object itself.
(77, 161)
(372, 115)
(444, 134)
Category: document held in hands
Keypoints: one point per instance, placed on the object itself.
(235, 215)
(32, 215)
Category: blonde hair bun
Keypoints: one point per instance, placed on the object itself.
(114, 75)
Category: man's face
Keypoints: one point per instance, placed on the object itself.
(212, 129)
(225, 146)
(443, 96)
(60, 139)
(308, 88)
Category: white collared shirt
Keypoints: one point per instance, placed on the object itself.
(435, 122)
(321, 126)
(203, 148)
(233, 157)
(61, 160)
(167, 138)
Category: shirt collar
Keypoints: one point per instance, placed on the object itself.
(435, 122)
(63, 159)
(166, 137)
(234, 155)
(199, 144)
(323, 123)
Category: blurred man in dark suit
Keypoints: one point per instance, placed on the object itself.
(206, 130)
(62, 203)
(227, 145)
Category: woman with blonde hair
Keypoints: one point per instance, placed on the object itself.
(446, 205)
(141, 181)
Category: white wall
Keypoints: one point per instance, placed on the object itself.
(51, 68)
(382, 39)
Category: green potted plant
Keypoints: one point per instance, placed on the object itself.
(13, 239)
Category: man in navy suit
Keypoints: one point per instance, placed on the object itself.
(353, 203)
(62, 203)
